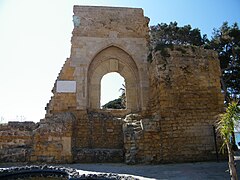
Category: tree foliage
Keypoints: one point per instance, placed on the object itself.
(226, 41)
(173, 34)
(114, 104)
(228, 121)
(119, 103)
(225, 126)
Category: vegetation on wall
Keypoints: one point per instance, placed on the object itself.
(163, 36)
(225, 41)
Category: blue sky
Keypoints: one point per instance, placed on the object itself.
(35, 42)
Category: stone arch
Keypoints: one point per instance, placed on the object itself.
(113, 59)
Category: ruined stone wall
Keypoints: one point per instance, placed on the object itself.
(175, 99)
(184, 101)
(105, 35)
(142, 141)
(16, 141)
(113, 19)
(104, 40)
(62, 102)
(186, 95)
(98, 137)
(52, 141)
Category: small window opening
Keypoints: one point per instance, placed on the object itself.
(113, 91)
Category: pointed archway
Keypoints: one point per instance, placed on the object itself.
(113, 59)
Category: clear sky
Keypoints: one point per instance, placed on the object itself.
(35, 41)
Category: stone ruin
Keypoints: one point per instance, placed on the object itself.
(172, 101)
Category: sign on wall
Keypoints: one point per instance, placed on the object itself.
(66, 86)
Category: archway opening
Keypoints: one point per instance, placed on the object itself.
(114, 59)
(113, 91)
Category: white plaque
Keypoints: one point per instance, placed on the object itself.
(66, 86)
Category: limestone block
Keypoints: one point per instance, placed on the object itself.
(67, 146)
(113, 65)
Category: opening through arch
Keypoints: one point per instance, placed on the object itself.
(114, 59)
(113, 91)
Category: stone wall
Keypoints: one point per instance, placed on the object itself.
(52, 140)
(61, 138)
(16, 141)
(62, 102)
(110, 18)
(185, 100)
(104, 40)
(142, 139)
(98, 137)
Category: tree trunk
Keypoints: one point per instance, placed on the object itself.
(224, 88)
(231, 164)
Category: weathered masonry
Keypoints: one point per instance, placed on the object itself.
(104, 40)
(172, 101)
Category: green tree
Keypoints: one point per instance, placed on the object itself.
(114, 104)
(173, 34)
(226, 41)
(225, 127)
